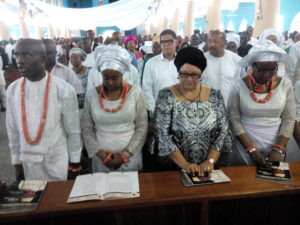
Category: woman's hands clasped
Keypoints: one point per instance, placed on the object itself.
(112, 161)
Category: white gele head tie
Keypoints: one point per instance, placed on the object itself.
(233, 37)
(113, 57)
(266, 51)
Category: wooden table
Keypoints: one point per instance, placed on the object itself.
(164, 200)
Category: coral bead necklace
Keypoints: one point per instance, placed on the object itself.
(44, 113)
(123, 97)
(260, 89)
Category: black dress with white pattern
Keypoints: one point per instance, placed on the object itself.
(193, 127)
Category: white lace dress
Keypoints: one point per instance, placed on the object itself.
(263, 123)
(115, 132)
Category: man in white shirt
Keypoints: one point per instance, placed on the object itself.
(222, 65)
(59, 70)
(160, 71)
(85, 44)
(42, 118)
(9, 50)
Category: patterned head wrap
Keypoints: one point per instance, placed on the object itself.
(79, 52)
(113, 57)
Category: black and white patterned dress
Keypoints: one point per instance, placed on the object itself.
(193, 127)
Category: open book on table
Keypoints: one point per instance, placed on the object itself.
(190, 179)
(101, 186)
(275, 171)
(22, 196)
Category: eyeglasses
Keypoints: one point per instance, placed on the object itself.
(192, 75)
(170, 41)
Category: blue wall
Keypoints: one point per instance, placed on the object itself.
(289, 9)
(245, 12)
(80, 3)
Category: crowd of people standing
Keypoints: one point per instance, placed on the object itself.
(151, 103)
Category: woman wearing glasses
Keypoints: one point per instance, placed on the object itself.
(262, 107)
(190, 119)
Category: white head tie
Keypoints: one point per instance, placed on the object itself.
(266, 51)
(233, 37)
(113, 57)
(270, 31)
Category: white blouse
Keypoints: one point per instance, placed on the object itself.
(280, 108)
(132, 117)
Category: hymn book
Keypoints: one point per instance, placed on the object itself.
(274, 171)
(102, 186)
(22, 196)
(192, 179)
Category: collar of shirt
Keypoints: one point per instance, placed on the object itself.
(163, 58)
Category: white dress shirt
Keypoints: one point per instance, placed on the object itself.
(159, 73)
(221, 72)
(68, 75)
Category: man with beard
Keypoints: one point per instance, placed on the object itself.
(222, 65)
(42, 118)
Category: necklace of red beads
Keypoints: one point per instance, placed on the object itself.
(123, 97)
(44, 114)
(259, 88)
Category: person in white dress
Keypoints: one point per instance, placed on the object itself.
(42, 118)
(114, 122)
(223, 67)
(262, 108)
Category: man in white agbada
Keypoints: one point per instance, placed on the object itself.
(160, 71)
(222, 65)
(131, 76)
(9, 50)
(42, 118)
(59, 70)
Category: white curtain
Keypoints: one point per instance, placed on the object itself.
(125, 14)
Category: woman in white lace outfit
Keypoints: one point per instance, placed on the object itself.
(262, 108)
(114, 123)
